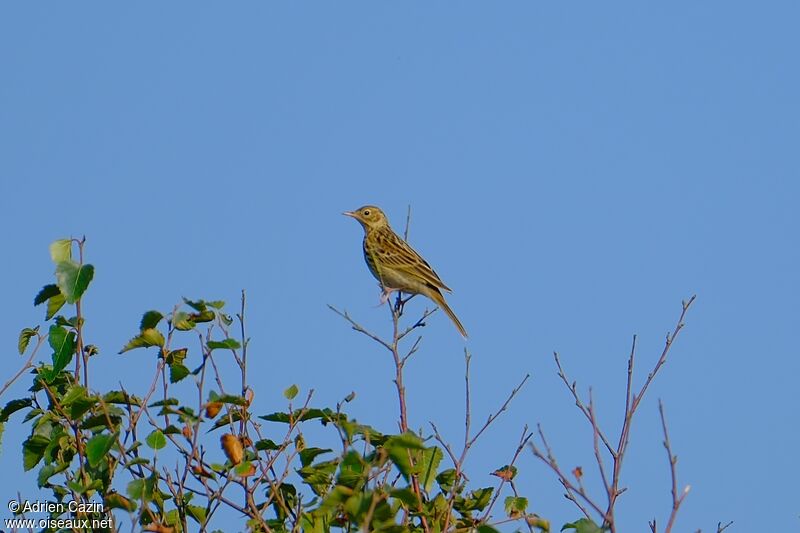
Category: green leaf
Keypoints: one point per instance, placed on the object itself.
(172, 518)
(115, 500)
(243, 468)
(138, 460)
(291, 392)
(13, 406)
(308, 454)
(78, 401)
(205, 316)
(584, 525)
(75, 393)
(357, 504)
(446, 478)
(71, 323)
(226, 398)
(318, 477)
(54, 304)
(150, 320)
(56, 337)
(177, 372)
(101, 420)
(121, 397)
(216, 304)
(506, 472)
(136, 489)
(33, 413)
(61, 250)
(477, 500)
(427, 467)
(156, 440)
(352, 470)
(405, 495)
(224, 421)
(182, 321)
(515, 506)
(63, 345)
(299, 415)
(171, 430)
(353, 429)
(401, 448)
(197, 513)
(231, 344)
(176, 356)
(266, 444)
(335, 498)
(45, 473)
(73, 279)
(33, 450)
(166, 401)
(198, 305)
(98, 446)
(146, 339)
(47, 292)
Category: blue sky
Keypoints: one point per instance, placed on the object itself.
(574, 171)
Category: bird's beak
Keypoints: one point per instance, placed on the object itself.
(349, 214)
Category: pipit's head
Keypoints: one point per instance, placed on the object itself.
(369, 216)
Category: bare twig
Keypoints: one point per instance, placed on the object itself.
(632, 404)
(356, 326)
(399, 361)
(550, 460)
(80, 352)
(677, 499)
(573, 388)
(500, 411)
(28, 364)
(523, 440)
(595, 439)
(617, 453)
(469, 441)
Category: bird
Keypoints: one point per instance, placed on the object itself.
(396, 265)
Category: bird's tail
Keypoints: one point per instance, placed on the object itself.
(437, 297)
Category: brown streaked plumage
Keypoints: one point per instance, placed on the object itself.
(396, 265)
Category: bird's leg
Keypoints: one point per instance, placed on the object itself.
(400, 303)
(385, 295)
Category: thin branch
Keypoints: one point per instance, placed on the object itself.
(467, 400)
(419, 323)
(663, 359)
(632, 402)
(80, 353)
(523, 440)
(445, 445)
(408, 223)
(595, 434)
(677, 499)
(633, 405)
(579, 403)
(494, 416)
(356, 326)
(146, 399)
(28, 364)
(549, 459)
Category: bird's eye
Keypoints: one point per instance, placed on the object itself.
(366, 212)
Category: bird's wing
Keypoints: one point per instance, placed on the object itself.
(398, 255)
